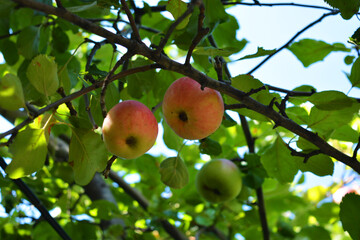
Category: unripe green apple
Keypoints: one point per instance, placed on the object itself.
(191, 112)
(219, 181)
(129, 129)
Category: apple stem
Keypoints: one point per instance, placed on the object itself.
(108, 166)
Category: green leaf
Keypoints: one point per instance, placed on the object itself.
(215, 13)
(42, 73)
(298, 115)
(309, 51)
(88, 154)
(177, 8)
(347, 8)
(206, 218)
(320, 165)
(43, 230)
(171, 139)
(260, 53)
(313, 232)
(225, 35)
(228, 121)
(349, 207)
(331, 100)
(29, 151)
(212, 51)
(355, 74)
(246, 83)
(278, 162)
(11, 93)
(325, 122)
(210, 147)
(103, 209)
(345, 133)
(174, 172)
(305, 145)
(28, 42)
(141, 82)
(108, 3)
(349, 59)
(298, 100)
(60, 39)
(255, 172)
(355, 38)
(82, 8)
(10, 52)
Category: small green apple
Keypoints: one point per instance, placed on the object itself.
(129, 129)
(219, 181)
(191, 112)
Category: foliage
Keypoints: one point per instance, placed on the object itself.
(63, 68)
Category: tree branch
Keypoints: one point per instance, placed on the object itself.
(131, 20)
(200, 34)
(36, 202)
(163, 41)
(259, 192)
(278, 4)
(167, 63)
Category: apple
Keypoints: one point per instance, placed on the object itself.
(191, 112)
(219, 181)
(129, 129)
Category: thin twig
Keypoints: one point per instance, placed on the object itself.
(163, 41)
(201, 33)
(306, 156)
(278, 4)
(292, 39)
(356, 149)
(106, 81)
(291, 93)
(68, 104)
(90, 57)
(88, 110)
(218, 68)
(36, 202)
(259, 192)
(108, 166)
(224, 63)
(59, 4)
(131, 20)
(123, 21)
(10, 34)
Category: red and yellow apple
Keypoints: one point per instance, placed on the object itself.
(129, 129)
(191, 112)
(219, 181)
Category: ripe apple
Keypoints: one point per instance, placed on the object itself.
(191, 112)
(219, 181)
(129, 129)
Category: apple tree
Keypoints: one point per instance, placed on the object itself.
(66, 63)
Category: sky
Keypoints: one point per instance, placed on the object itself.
(271, 27)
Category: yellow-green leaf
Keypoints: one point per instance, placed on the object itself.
(177, 8)
(174, 172)
(88, 154)
(29, 153)
(11, 93)
(42, 74)
(278, 162)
